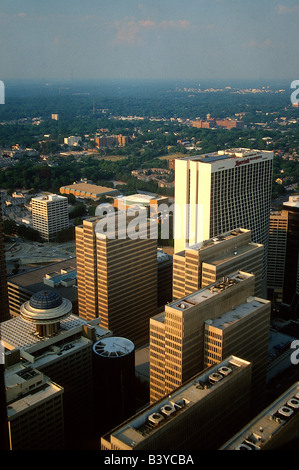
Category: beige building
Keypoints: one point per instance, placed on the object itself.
(277, 253)
(177, 336)
(275, 428)
(117, 277)
(205, 263)
(49, 215)
(217, 192)
(196, 416)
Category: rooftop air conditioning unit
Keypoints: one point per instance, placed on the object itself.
(215, 377)
(168, 409)
(155, 418)
(285, 411)
(293, 403)
(225, 370)
(243, 447)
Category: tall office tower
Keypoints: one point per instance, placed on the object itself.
(49, 215)
(291, 279)
(4, 307)
(177, 336)
(277, 254)
(243, 330)
(217, 192)
(117, 277)
(275, 428)
(35, 410)
(197, 416)
(207, 262)
(283, 258)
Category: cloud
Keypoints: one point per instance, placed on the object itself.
(131, 31)
(266, 44)
(283, 9)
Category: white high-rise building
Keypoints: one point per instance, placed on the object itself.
(49, 215)
(217, 192)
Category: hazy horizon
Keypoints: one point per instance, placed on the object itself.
(135, 40)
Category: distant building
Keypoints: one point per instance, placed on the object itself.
(275, 428)
(73, 140)
(88, 190)
(151, 203)
(201, 414)
(49, 215)
(55, 117)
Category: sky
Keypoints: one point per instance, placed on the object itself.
(149, 39)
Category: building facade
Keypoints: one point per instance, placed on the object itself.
(4, 307)
(117, 278)
(217, 192)
(49, 215)
(207, 262)
(180, 344)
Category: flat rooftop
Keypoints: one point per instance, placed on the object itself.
(227, 154)
(88, 190)
(241, 311)
(261, 429)
(164, 411)
(33, 280)
(207, 292)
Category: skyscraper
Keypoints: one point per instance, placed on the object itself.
(197, 416)
(49, 215)
(217, 192)
(283, 257)
(182, 337)
(207, 262)
(4, 310)
(117, 278)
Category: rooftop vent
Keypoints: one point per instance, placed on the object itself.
(167, 409)
(293, 403)
(285, 411)
(225, 370)
(155, 418)
(215, 377)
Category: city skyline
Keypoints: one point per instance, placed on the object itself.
(156, 40)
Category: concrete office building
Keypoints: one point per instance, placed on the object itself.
(275, 428)
(217, 192)
(177, 336)
(48, 337)
(207, 262)
(117, 277)
(244, 331)
(4, 308)
(60, 277)
(196, 416)
(34, 409)
(49, 215)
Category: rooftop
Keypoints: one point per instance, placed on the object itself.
(161, 413)
(241, 311)
(207, 292)
(233, 153)
(261, 429)
(87, 189)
